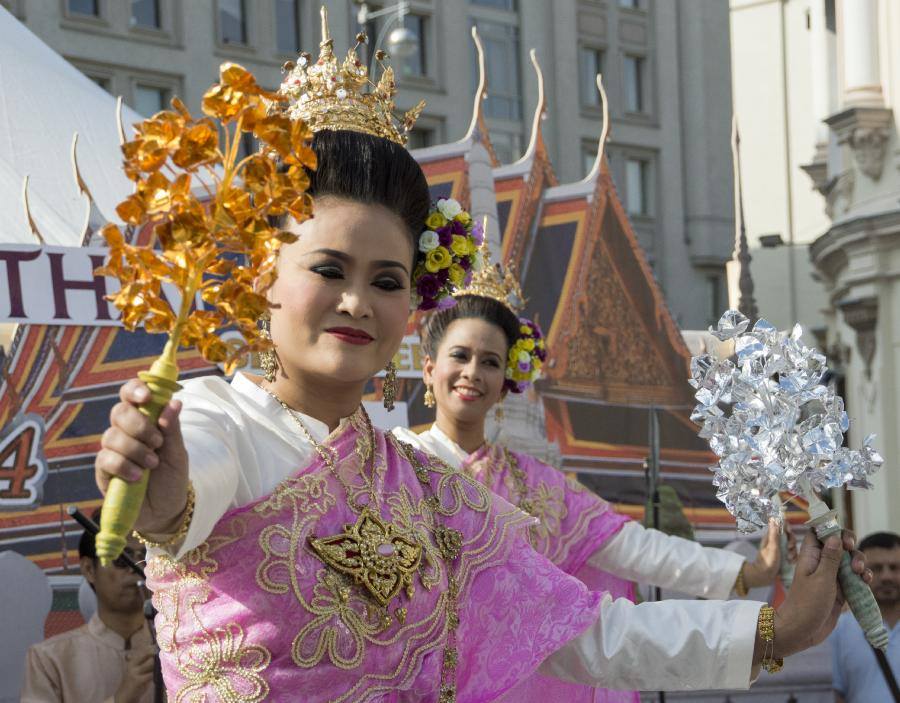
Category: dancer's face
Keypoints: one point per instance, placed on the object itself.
(341, 300)
(468, 371)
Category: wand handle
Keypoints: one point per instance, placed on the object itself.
(857, 592)
(786, 568)
(124, 499)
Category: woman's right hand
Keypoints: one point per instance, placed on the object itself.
(133, 444)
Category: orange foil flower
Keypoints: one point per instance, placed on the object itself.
(210, 215)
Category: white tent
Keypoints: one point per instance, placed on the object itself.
(44, 102)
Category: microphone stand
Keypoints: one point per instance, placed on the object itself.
(159, 688)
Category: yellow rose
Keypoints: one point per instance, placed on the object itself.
(435, 220)
(464, 218)
(528, 344)
(457, 274)
(524, 329)
(461, 246)
(438, 259)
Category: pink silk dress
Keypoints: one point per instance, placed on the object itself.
(253, 614)
(574, 523)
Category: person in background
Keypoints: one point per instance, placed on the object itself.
(108, 660)
(857, 676)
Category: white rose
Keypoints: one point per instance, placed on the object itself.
(449, 208)
(524, 357)
(428, 241)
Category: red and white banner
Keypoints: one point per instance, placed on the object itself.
(48, 285)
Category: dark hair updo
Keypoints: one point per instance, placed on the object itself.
(469, 307)
(370, 170)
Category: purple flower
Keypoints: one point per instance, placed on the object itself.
(427, 304)
(465, 263)
(446, 302)
(524, 366)
(428, 286)
(468, 280)
(457, 228)
(478, 233)
(443, 276)
(445, 235)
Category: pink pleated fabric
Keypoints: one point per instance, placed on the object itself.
(252, 614)
(574, 524)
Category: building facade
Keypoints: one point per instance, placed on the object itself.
(665, 67)
(820, 168)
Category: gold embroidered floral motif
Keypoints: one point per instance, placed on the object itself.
(303, 493)
(375, 554)
(219, 663)
(548, 505)
(216, 664)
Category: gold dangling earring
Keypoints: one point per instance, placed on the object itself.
(428, 399)
(389, 387)
(498, 413)
(268, 361)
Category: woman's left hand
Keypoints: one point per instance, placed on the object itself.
(763, 570)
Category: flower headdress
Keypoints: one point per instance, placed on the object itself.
(448, 255)
(529, 352)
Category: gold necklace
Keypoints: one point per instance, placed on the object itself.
(382, 557)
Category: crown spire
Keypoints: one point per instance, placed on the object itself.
(492, 281)
(326, 46)
(331, 94)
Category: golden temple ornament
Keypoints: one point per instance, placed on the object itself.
(494, 282)
(329, 94)
(375, 553)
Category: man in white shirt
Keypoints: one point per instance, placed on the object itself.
(108, 660)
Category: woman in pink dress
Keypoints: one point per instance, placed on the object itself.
(297, 553)
(477, 352)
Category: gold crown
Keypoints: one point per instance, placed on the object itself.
(328, 94)
(492, 281)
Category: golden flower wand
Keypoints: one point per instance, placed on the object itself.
(223, 249)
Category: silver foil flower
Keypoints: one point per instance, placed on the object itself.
(771, 420)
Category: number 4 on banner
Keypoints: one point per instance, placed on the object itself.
(23, 468)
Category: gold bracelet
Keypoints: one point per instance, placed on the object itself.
(765, 626)
(182, 530)
(740, 586)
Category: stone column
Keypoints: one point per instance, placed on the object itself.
(859, 27)
(821, 86)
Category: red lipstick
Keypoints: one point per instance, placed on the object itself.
(351, 335)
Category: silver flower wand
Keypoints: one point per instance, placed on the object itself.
(775, 426)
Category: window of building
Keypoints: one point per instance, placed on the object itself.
(102, 81)
(500, 4)
(634, 83)
(90, 8)
(145, 13)
(638, 190)
(232, 21)
(590, 63)
(630, 4)
(422, 137)
(588, 157)
(149, 99)
(715, 298)
(830, 17)
(417, 65)
(249, 145)
(287, 26)
(501, 54)
(507, 145)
